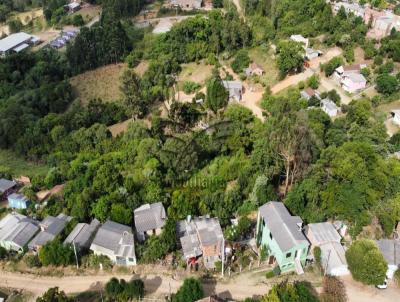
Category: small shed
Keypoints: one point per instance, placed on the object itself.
(18, 201)
(329, 107)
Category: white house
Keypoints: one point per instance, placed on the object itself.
(353, 82)
(325, 236)
(17, 42)
(329, 107)
(149, 220)
(115, 241)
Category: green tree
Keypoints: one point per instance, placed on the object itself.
(241, 61)
(217, 95)
(190, 291)
(313, 81)
(386, 84)
(54, 295)
(120, 213)
(55, 253)
(366, 262)
(132, 93)
(290, 57)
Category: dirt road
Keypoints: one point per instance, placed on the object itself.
(156, 286)
(356, 292)
(291, 80)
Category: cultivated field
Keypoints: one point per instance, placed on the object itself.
(19, 166)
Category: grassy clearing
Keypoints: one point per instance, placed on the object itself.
(19, 166)
(265, 58)
(195, 72)
(88, 13)
(101, 83)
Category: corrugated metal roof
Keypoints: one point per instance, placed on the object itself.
(283, 226)
(17, 229)
(323, 232)
(390, 249)
(13, 40)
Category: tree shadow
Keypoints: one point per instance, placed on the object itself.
(151, 285)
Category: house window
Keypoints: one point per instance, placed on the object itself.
(130, 259)
(270, 235)
(288, 255)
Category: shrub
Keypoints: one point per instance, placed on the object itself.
(241, 61)
(190, 291)
(313, 81)
(3, 253)
(94, 261)
(317, 255)
(32, 261)
(333, 290)
(269, 275)
(55, 253)
(190, 87)
(329, 67)
(366, 262)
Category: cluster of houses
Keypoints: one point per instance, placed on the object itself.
(382, 21)
(287, 243)
(187, 4)
(16, 43)
(327, 105)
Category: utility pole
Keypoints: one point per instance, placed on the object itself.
(223, 256)
(76, 255)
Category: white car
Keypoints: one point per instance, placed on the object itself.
(384, 285)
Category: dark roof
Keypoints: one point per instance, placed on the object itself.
(6, 184)
(149, 217)
(283, 226)
(83, 234)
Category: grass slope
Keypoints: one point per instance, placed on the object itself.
(19, 166)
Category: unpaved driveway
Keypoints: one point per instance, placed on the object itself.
(292, 80)
(327, 84)
(356, 292)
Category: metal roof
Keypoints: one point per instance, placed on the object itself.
(333, 256)
(6, 184)
(17, 196)
(116, 238)
(285, 228)
(390, 249)
(83, 234)
(322, 233)
(149, 217)
(329, 104)
(13, 41)
(18, 229)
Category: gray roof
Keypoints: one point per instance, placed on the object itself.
(116, 238)
(284, 227)
(6, 184)
(329, 104)
(390, 249)
(355, 77)
(333, 256)
(322, 233)
(232, 84)
(14, 40)
(149, 217)
(51, 227)
(83, 234)
(17, 229)
(197, 233)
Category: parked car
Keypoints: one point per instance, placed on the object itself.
(384, 285)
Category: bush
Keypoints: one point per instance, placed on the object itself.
(94, 261)
(3, 253)
(190, 291)
(313, 81)
(386, 84)
(32, 261)
(77, 20)
(241, 61)
(329, 67)
(55, 253)
(122, 291)
(366, 262)
(269, 275)
(190, 87)
(396, 276)
(317, 255)
(333, 290)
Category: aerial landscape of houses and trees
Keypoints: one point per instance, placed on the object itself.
(198, 150)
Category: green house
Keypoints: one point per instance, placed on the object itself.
(281, 235)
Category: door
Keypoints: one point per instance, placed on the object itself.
(271, 260)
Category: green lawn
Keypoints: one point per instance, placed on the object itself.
(19, 166)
